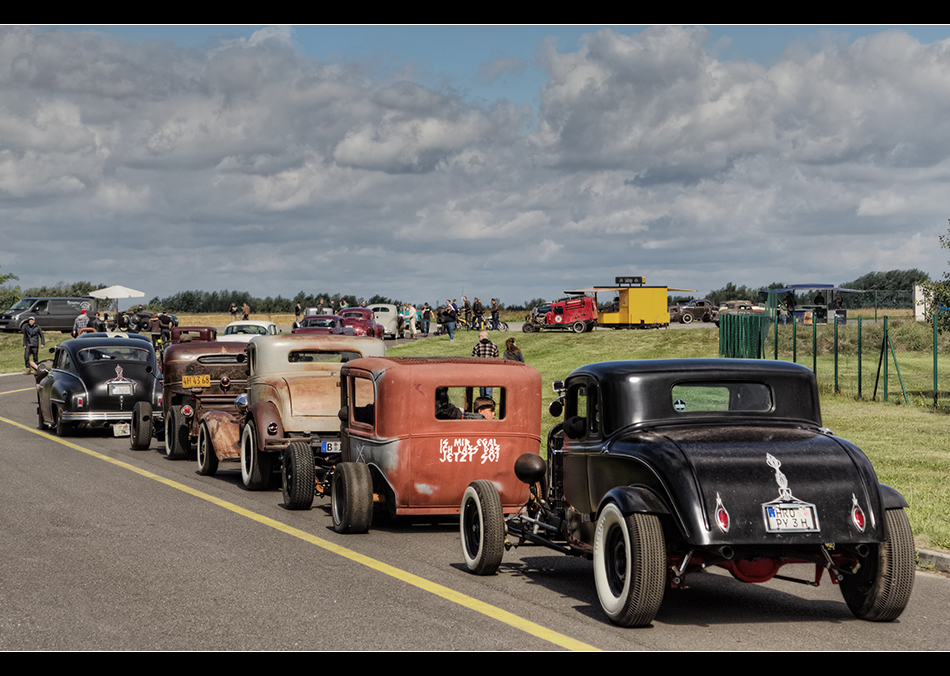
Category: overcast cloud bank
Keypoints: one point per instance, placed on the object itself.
(249, 165)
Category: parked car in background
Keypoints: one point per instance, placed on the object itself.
(738, 307)
(293, 397)
(51, 314)
(190, 334)
(702, 309)
(331, 325)
(362, 321)
(387, 316)
(97, 380)
(243, 331)
(663, 468)
(577, 314)
(198, 377)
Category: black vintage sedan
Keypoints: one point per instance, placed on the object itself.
(663, 468)
(98, 379)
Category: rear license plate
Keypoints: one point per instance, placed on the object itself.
(121, 429)
(120, 388)
(330, 447)
(196, 381)
(791, 518)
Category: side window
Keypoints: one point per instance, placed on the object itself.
(362, 403)
(470, 403)
(582, 413)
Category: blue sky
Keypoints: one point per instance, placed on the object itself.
(508, 161)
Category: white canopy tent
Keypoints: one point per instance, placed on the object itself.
(116, 292)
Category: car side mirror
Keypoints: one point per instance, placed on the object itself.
(556, 408)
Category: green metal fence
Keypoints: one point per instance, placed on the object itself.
(890, 360)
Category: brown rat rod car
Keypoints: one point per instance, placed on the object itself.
(417, 430)
(199, 376)
(292, 402)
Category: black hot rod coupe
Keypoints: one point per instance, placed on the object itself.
(663, 468)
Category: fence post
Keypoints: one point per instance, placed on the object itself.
(814, 345)
(859, 357)
(935, 360)
(836, 355)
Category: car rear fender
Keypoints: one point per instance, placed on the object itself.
(266, 417)
(225, 432)
(634, 500)
(891, 499)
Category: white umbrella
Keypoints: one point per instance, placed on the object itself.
(116, 292)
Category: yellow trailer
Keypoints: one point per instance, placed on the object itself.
(635, 306)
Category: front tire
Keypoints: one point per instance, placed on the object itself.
(207, 459)
(177, 439)
(298, 476)
(255, 466)
(629, 566)
(352, 498)
(482, 527)
(687, 318)
(881, 588)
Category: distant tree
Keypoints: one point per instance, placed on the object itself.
(937, 294)
(890, 289)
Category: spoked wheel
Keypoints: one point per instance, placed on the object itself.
(482, 527)
(255, 466)
(351, 497)
(298, 476)
(629, 566)
(881, 588)
(207, 459)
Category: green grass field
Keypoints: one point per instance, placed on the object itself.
(907, 444)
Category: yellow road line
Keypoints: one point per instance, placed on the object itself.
(486, 609)
(25, 389)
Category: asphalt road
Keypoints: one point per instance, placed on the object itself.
(110, 549)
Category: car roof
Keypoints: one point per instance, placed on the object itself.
(76, 344)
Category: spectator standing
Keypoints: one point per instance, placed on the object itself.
(245, 311)
(478, 309)
(82, 321)
(98, 324)
(512, 352)
(33, 338)
(426, 319)
(466, 311)
(297, 310)
(485, 349)
(233, 311)
(449, 318)
(494, 314)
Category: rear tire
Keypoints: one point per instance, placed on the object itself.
(141, 426)
(579, 327)
(629, 566)
(62, 429)
(881, 588)
(687, 318)
(177, 438)
(482, 527)
(255, 466)
(298, 476)
(352, 498)
(207, 459)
